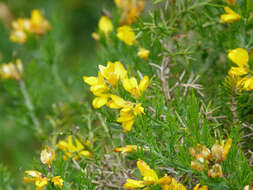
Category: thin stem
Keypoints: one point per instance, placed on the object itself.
(29, 105)
(60, 82)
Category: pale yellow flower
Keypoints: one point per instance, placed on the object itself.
(47, 156)
(33, 176)
(57, 181)
(11, 70)
(105, 25)
(126, 34)
(143, 53)
(73, 149)
(18, 36)
(230, 16)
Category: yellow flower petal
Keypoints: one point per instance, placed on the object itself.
(164, 180)
(133, 184)
(239, 56)
(90, 80)
(98, 102)
(127, 126)
(238, 71)
(144, 83)
(248, 83)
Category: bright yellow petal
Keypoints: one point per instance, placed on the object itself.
(120, 70)
(144, 83)
(238, 71)
(127, 126)
(239, 56)
(164, 180)
(133, 184)
(227, 146)
(248, 83)
(90, 80)
(98, 102)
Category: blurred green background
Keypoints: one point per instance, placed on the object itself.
(69, 43)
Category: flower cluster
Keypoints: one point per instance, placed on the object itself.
(74, 149)
(40, 180)
(150, 178)
(130, 10)
(242, 73)
(206, 159)
(11, 70)
(37, 24)
(107, 82)
(124, 32)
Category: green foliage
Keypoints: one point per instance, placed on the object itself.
(189, 101)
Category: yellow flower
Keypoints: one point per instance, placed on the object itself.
(98, 85)
(36, 177)
(149, 177)
(47, 156)
(239, 56)
(113, 72)
(57, 181)
(126, 118)
(248, 83)
(131, 9)
(143, 53)
(126, 149)
(99, 89)
(73, 149)
(12, 71)
(230, 16)
(238, 71)
(133, 88)
(125, 33)
(127, 114)
(105, 25)
(39, 25)
(18, 36)
(231, 2)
